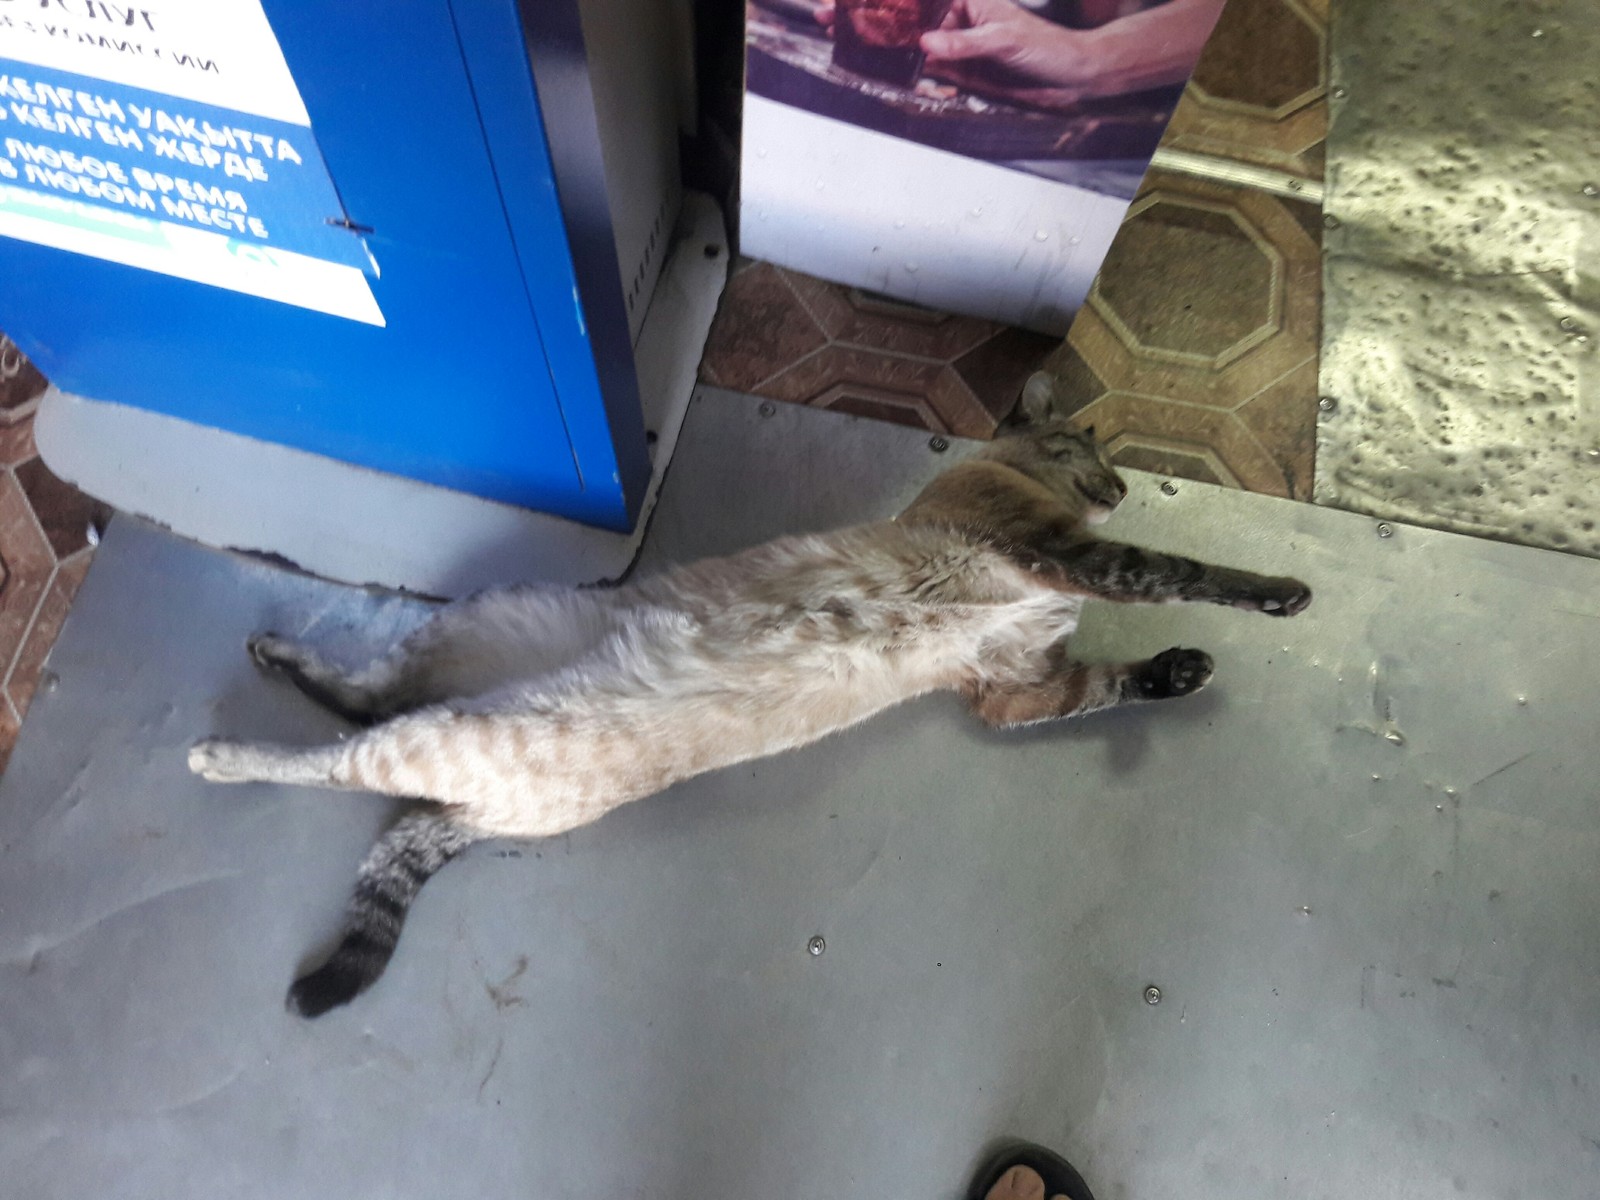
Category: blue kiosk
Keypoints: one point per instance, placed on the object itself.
(420, 239)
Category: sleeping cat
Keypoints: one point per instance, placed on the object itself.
(523, 712)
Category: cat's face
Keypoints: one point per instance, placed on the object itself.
(1066, 459)
(1073, 465)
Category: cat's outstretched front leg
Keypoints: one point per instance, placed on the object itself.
(362, 697)
(1073, 689)
(1112, 571)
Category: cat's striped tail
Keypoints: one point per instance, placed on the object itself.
(401, 861)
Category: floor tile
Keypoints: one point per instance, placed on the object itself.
(20, 381)
(788, 336)
(761, 328)
(65, 514)
(1196, 353)
(1259, 93)
(30, 568)
(47, 621)
(45, 544)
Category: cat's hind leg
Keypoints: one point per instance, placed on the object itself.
(1070, 689)
(465, 649)
(361, 697)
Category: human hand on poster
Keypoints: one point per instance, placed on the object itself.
(997, 48)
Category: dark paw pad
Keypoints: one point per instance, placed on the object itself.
(1174, 672)
(1281, 597)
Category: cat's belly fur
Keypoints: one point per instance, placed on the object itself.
(641, 713)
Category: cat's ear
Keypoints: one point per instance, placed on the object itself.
(1038, 400)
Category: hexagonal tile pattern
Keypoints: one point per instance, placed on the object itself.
(21, 385)
(1218, 297)
(1196, 355)
(1259, 93)
(784, 335)
(44, 545)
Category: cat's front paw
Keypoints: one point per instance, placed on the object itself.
(1277, 597)
(1174, 672)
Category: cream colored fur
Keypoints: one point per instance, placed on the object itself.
(530, 711)
(544, 709)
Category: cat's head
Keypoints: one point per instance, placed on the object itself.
(1041, 443)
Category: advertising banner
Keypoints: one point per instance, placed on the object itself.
(970, 155)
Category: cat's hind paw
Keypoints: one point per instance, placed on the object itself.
(270, 652)
(1174, 672)
(216, 759)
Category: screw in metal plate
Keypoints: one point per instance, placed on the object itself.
(1537, 33)
(938, 445)
(1385, 529)
(1339, 93)
(1329, 221)
(1152, 994)
(1327, 403)
(1591, 189)
(1593, 454)
(1568, 324)
(768, 409)
(816, 946)
(1170, 488)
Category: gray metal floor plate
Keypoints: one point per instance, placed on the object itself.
(1361, 868)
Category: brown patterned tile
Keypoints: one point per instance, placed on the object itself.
(20, 381)
(760, 329)
(44, 551)
(1197, 463)
(1259, 93)
(1077, 383)
(1215, 296)
(1132, 332)
(1185, 434)
(47, 622)
(1309, 217)
(1283, 419)
(861, 318)
(63, 511)
(16, 443)
(864, 383)
(1226, 396)
(784, 335)
(1263, 54)
(30, 566)
(997, 369)
(959, 408)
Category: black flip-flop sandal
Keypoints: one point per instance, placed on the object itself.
(1060, 1177)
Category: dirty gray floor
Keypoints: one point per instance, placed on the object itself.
(1361, 869)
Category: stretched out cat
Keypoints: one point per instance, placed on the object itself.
(523, 712)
